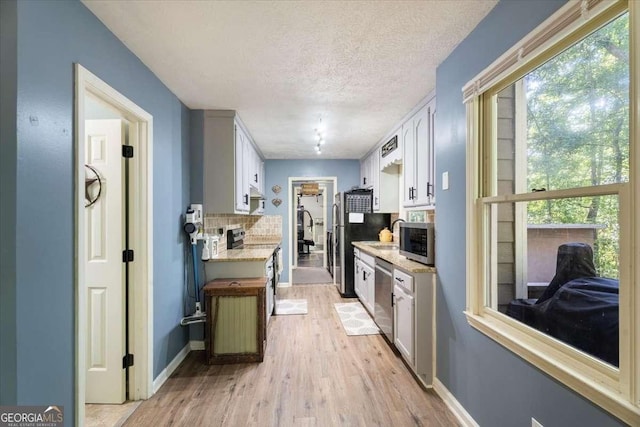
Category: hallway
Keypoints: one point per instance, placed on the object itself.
(310, 270)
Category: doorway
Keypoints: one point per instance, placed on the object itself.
(113, 190)
(310, 201)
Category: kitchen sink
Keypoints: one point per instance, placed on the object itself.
(384, 247)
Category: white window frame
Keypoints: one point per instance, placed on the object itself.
(616, 390)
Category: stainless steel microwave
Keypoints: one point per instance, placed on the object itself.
(417, 241)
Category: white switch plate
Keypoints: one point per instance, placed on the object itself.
(535, 423)
(445, 180)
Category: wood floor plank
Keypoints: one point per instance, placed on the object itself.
(313, 374)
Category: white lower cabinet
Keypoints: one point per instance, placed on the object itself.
(357, 274)
(368, 287)
(364, 270)
(414, 321)
(404, 318)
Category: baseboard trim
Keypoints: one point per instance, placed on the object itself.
(452, 403)
(166, 372)
(196, 345)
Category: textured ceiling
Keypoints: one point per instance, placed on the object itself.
(360, 66)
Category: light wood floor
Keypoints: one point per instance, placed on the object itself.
(108, 415)
(312, 375)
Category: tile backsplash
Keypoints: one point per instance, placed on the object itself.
(257, 227)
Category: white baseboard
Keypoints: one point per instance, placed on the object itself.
(166, 372)
(284, 284)
(452, 403)
(196, 345)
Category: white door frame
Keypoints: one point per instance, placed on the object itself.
(292, 179)
(324, 225)
(294, 231)
(141, 238)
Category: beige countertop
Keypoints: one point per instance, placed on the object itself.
(393, 256)
(263, 253)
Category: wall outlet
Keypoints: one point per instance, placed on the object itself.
(535, 423)
(445, 180)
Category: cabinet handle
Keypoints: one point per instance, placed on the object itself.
(364, 181)
(392, 300)
(429, 189)
(246, 199)
(399, 280)
(410, 193)
(256, 177)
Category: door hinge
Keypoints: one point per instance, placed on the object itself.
(127, 151)
(127, 361)
(127, 255)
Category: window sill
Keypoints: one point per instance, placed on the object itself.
(585, 375)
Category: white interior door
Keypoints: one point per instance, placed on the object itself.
(104, 285)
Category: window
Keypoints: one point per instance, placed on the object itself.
(552, 255)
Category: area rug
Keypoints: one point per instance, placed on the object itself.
(355, 319)
(291, 306)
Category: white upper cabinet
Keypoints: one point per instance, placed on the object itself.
(418, 158)
(241, 171)
(383, 183)
(228, 153)
(256, 173)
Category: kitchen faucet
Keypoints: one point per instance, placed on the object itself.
(394, 223)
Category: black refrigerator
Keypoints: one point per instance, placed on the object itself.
(353, 221)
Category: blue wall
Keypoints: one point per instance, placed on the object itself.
(496, 387)
(279, 171)
(8, 149)
(51, 37)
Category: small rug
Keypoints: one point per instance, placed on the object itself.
(291, 306)
(355, 319)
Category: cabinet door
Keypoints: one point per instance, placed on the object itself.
(404, 323)
(432, 153)
(371, 288)
(408, 166)
(261, 178)
(421, 150)
(363, 172)
(254, 165)
(241, 182)
(375, 178)
(357, 277)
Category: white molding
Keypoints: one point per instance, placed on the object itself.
(171, 367)
(452, 403)
(284, 284)
(196, 345)
(554, 29)
(142, 238)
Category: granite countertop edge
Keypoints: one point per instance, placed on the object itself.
(393, 256)
(248, 254)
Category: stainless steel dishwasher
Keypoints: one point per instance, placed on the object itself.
(383, 309)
